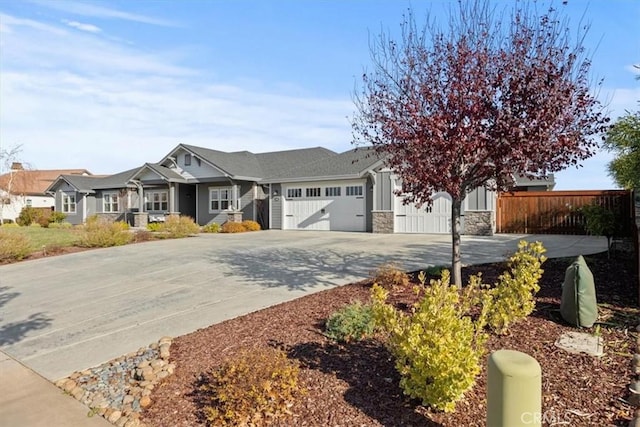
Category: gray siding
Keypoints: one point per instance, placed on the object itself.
(276, 207)
(477, 200)
(384, 192)
(369, 205)
(246, 200)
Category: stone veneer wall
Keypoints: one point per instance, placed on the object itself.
(382, 221)
(478, 223)
(140, 219)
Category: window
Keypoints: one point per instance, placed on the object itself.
(219, 199)
(293, 193)
(187, 159)
(110, 202)
(68, 203)
(332, 191)
(157, 201)
(354, 190)
(313, 192)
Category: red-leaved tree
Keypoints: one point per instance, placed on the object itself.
(486, 98)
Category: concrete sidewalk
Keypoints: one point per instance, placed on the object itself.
(29, 400)
(72, 312)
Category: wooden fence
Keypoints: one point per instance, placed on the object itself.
(557, 212)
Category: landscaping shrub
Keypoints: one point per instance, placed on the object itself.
(102, 233)
(352, 322)
(389, 275)
(251, 225)
(213, 227)
(513, 295)
(57, 217)
(13, 246)
(254, 388)
(9, 224)
(436, 270)
(28, 215)
(232, 227)
(142, 236)
(179, 226)
(154, 226)
(438, 347)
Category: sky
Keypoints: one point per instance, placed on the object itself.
(110, 85)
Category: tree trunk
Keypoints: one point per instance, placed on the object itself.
(456, 266)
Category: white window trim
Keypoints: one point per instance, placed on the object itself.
(294, 193)
(352, 187)
(107, 196)
(148, 198)
(67, 196)
(229, 199)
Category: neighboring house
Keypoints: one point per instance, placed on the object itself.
(21, 187)
(306, 189)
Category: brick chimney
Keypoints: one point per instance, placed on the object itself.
(16, 166)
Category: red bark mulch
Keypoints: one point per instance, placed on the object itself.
(356, 384)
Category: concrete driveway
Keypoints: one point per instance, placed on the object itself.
(71, 312)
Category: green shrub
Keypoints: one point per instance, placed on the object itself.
(251, 225)
(179, 226)
(28, 215)
(154, 226)
(232, 227)
(513, 295)
(390, 275)
(600, 221)
(436, 270)
(57, 217)
(439, 346)
(352, 322)
(102, 233)
(13, 246)
(9, 224)
(254, 388)
(213, 227)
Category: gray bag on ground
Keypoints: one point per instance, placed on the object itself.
(579, 305)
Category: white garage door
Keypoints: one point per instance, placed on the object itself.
(335, 206)
(433, 218)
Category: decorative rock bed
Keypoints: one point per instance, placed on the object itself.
(118, 390)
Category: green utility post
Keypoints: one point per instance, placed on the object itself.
(514, 390)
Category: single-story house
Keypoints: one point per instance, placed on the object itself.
(22, 187)
(305, 189)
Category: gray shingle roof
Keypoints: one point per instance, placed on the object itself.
(87, 184)
(165, 172)
(261, 165)
(350, 163)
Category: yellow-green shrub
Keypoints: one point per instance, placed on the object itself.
(213, 227)
(154, 226)
(352, 322)
(439, 346)
(251, 225)
(63, 225)
(232, 227)
(253, 388)
(101, 233)
(390, 275)
(513, 295)
(179, 226)
(13, 246)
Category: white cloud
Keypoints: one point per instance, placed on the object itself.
(83, 27)
(93, 10)
(74, 100)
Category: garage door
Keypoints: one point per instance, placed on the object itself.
(433, 218)
(335, 207)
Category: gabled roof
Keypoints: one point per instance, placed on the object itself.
(35, 182)
(163, 172)
(350, 164)
(88, 184)
(247, 165)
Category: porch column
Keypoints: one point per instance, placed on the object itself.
(172, 198)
